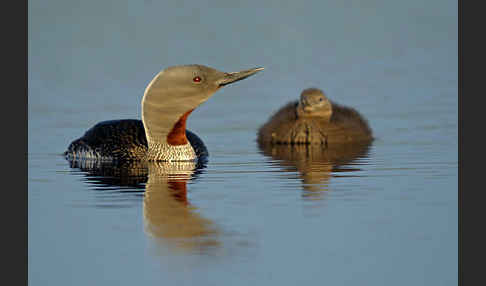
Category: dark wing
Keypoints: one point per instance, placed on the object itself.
(113, 139)
(350, 120)
(121, 140)
(197, 144)
(278, 124)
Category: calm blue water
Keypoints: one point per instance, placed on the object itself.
(385, 216)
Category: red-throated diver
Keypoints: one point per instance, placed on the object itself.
(314, 119)
(161, 135)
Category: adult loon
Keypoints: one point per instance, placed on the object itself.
(314, 119)
(161, 135)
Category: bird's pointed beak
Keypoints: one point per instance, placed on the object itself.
(237, 76)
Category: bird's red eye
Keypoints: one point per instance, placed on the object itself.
(196, 79)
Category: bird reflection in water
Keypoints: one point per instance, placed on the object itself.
(315, 163)
(169, 217)
(167, 212)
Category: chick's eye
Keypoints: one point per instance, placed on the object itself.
(196, 79)
(321, 99)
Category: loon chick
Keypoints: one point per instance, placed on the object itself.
(314, 119)
(161, 135)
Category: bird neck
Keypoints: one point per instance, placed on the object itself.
(165, 129)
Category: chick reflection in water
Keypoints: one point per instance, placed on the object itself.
(315, 164)
(168, 214)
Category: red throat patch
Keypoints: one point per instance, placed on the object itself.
(177, 136)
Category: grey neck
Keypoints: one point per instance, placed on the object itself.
(159, 115)
(158, 124)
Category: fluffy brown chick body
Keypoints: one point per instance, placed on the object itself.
(314, 119)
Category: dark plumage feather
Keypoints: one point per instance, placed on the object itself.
(123, 139)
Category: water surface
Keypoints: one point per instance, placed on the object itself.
(383, 214)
